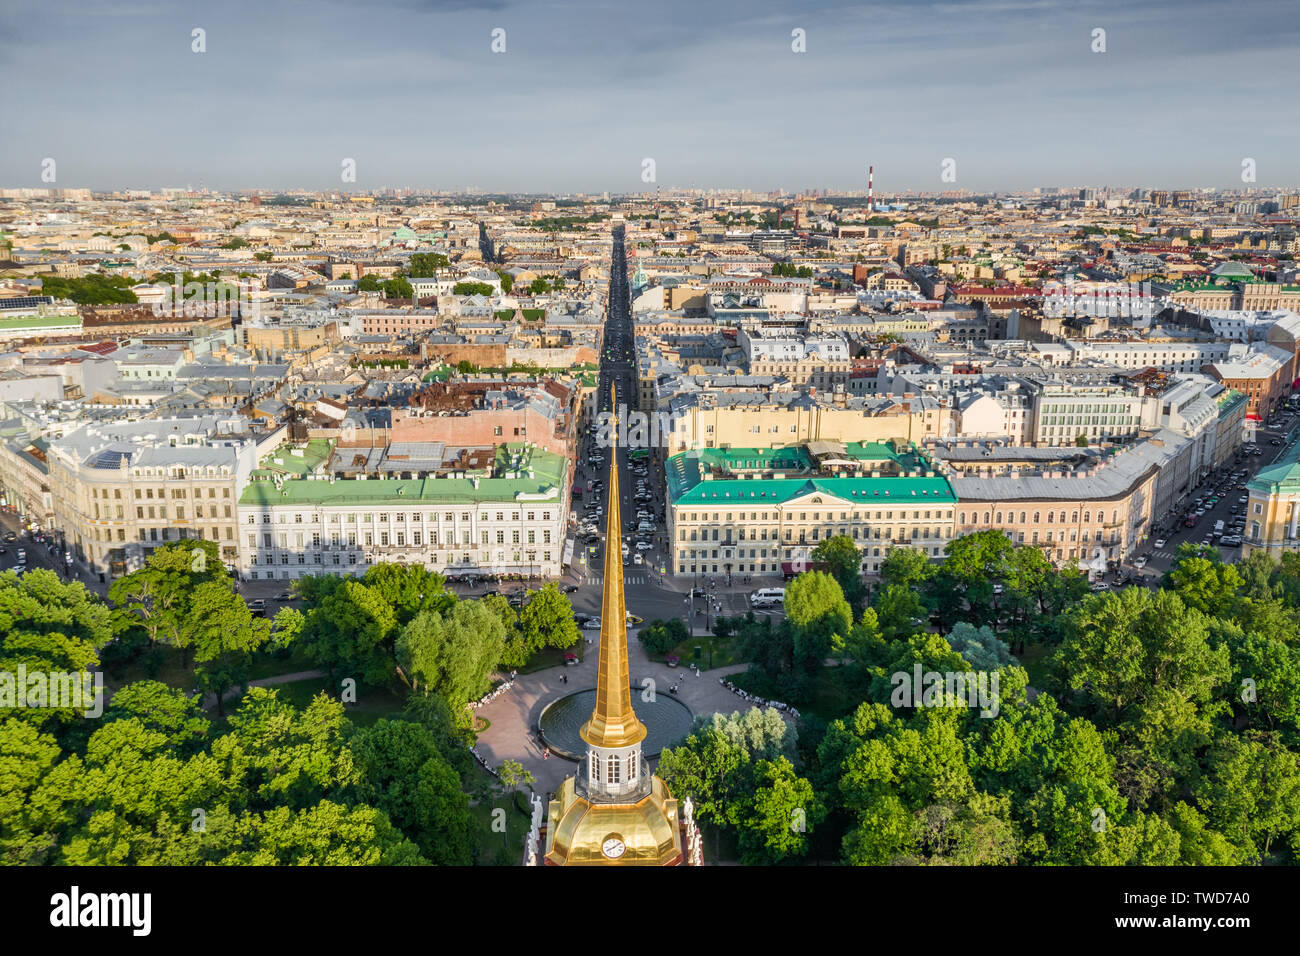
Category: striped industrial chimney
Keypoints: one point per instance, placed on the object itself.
(871, 175)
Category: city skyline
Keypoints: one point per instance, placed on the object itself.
(415, 95)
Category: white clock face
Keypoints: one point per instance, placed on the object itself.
(613, 847)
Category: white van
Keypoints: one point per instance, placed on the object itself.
(1218, 528)
(767, 597)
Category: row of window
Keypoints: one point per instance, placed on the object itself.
(703, 516)
(399, 538)
(398, 517)
(304, 557)
(142, 512)
(814, 534)
(106, 535)
(148, 493)
(995, 517)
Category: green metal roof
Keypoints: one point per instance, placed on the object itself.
(687, 483)
(547, 482)
(282, 461)
(1282, 477)
(40, 321)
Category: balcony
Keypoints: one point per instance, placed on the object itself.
(597, 792)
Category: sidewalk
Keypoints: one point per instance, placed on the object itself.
(514, 715)
(210, 700)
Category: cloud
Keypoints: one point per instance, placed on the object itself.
(712, 91)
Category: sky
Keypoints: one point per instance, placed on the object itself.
(711, 90)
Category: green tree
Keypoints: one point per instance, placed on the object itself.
(1199, 576)
(547, 619)
(979, 647)
(353, 629)
(49, 627)
(402, 773)
(661, 636)
(398, 288)
(784, 811)
(424, 265)
(839, 555)
(906, 567)
(452, 654)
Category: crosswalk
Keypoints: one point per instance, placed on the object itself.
(1162, 554)
(627, 579)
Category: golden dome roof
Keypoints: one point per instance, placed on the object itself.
(645, 833)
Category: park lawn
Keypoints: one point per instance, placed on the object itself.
(495, 848)
(271, 665)
(725, 653)
(165, 665)
(831, 699)
(552, 657)
(373, 703)
(1036, 661)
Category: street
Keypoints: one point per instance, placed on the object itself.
(1229, 505)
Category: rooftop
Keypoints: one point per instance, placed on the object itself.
(523, 474)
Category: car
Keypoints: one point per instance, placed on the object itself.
(21, 556)
(568, 588)
(1160, 542)
(1275, 441)
(1140, 561)
(1101, 586)
(284, 596)
(1242, 500)
(591, 624)
(1230, 540)
(644, 546)
(637, 558)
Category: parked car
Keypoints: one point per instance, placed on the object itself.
(568, 588)
(1160, 542)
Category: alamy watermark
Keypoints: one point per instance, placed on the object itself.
(205, 299)
(1128, 300)
(634, 429)
(946, 689)
(54, 690)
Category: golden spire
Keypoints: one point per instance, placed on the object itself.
(613, 723)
